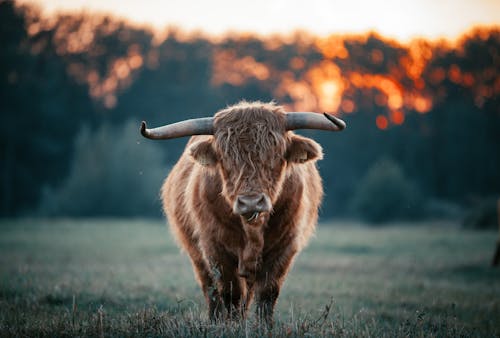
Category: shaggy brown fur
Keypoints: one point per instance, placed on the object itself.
(233, 258)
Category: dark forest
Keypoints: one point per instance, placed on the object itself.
(423, 136)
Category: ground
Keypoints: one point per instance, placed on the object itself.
(128, 278)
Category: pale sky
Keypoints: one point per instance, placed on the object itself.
(401, 19)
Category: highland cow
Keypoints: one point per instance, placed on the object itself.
(243, 200)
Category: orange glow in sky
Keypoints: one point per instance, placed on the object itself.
(401, 19)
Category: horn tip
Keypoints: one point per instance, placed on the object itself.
(143, 128)
(340, 124)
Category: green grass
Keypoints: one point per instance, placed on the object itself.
(128, 278)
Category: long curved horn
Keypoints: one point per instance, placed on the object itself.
(200, 126)
(307, 120)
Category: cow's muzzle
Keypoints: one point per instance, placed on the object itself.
(251, 205)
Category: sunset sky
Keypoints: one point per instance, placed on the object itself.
(402, 19)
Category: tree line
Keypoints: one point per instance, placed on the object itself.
(423, 118)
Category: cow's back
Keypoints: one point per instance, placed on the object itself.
(176, 193)
(310, 200)
(296, 212)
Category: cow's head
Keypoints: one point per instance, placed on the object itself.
(252, 147)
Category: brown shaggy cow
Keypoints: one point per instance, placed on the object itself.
(243, 200)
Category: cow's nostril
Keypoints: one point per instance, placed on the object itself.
(261, 203)
(250, 204)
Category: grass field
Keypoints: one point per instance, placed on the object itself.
(127, 278)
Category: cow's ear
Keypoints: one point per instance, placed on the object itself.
(302, 149)
(203, 152)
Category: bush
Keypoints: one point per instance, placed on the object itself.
(113, 174)
(483, 215)
(386, 194)
(435, 208)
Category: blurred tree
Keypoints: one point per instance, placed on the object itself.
(12, 32)
(113, 173)
(42, 108)
(386, 194)
(439, 104)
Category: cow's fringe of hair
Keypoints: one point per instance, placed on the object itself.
(262, 124)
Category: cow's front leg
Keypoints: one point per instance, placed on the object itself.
(229, 287)
(247, 294)
(202, 272)
(209, 288)
(269, 282)
(266, 297)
